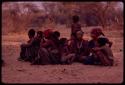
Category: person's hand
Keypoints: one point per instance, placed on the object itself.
(95, 49)
(110, 43)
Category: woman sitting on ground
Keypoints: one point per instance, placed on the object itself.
(95, 34)
(66, 56)
(102, 54)
(79, 47)
(31, 34)
(48, 52)
(33, 47)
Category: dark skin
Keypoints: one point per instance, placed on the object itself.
(32, 40)
(49, 42)
(94, 37)
(97, 51)
(75, 26)
(86, 52)
(46, 44)
(110, 43)
(101, 56)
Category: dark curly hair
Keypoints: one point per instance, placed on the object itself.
(31, 33)
(102, 41)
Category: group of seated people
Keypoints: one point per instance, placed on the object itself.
(46, 47)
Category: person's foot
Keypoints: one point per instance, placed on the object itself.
(26, 59)
(19, 59)
(68, 62)
(33, 64)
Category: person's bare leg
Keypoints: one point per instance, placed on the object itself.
(103, 59)
(72, 57)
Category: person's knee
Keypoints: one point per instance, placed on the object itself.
(98, 52)
(108, 63)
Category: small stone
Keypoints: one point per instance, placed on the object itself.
(22, 70)
(60, 78)
(120, 50)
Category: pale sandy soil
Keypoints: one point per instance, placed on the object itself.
(22, 72)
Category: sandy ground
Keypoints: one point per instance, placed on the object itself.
(22, 72)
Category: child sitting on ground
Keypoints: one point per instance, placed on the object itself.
(31, 34)
(43, 54)
(102, 54)
(79, 47)
(32, 50)
(66, 56)
(48, 52)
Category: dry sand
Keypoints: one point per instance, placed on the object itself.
(22, 72)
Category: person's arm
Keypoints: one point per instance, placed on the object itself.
(80, 27)
(104, 60)
(110, 43)
(86, 48)
(28, 41)
(46, 44)
(29, 44)
(72, 47)
(96, 48)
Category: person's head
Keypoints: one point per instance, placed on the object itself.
(63, 41)
(96, 32)
(40, 34)
(47, 33)
(31, 33)
(75, 19)
(79, 34)
(102, 41)
(56, 34)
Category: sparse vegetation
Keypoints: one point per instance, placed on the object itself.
(18, 17)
